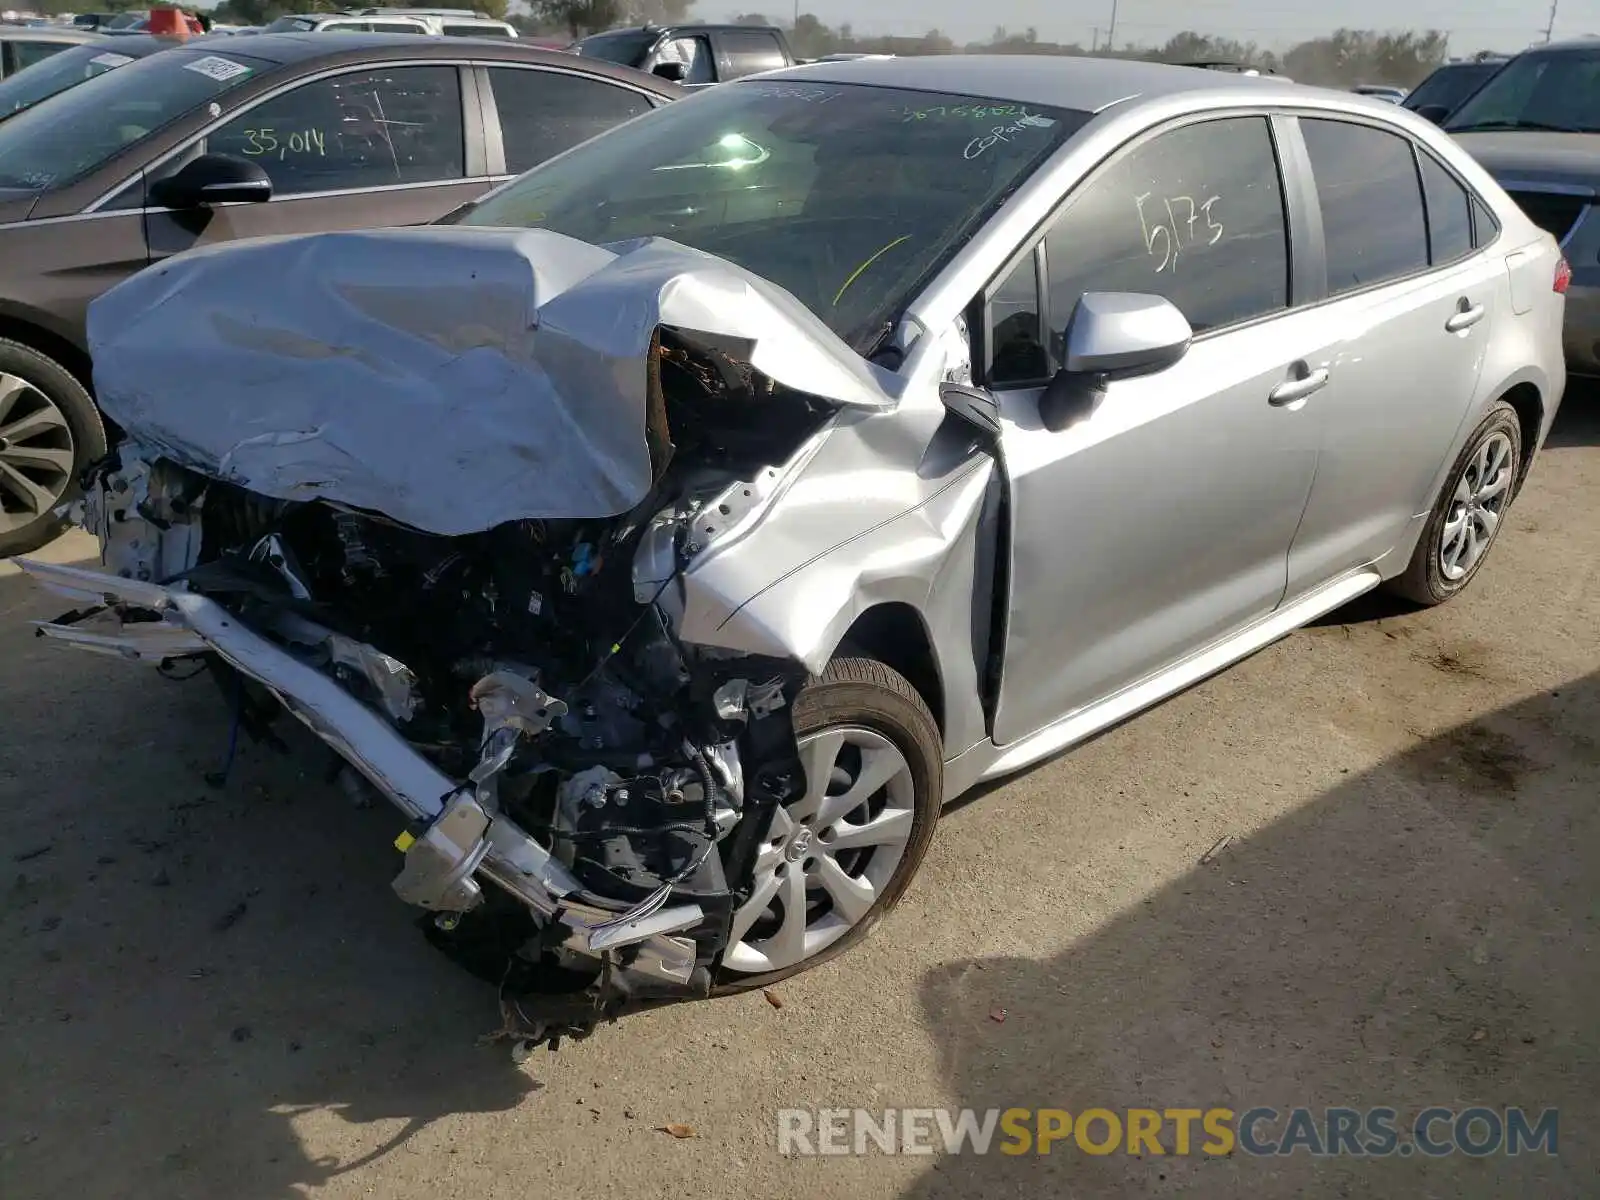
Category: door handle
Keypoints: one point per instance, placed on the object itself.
(1467, 315)
(1293, 390)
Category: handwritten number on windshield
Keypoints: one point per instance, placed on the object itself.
(1180, 230)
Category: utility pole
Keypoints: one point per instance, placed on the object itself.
(1094, 39)
(1550, 28)
(1111, 35)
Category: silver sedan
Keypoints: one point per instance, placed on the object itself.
(673, 532)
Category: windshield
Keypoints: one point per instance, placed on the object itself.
(847, 196)
(291, 25)
(1449, 86)
(51, 145)
(627, 47)
(56, 74)
(1537, 91)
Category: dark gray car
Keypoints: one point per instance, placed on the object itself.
(288, 133)
(1535, 126)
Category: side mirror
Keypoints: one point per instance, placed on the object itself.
(213, 179)
(974, 406)
(1433, 112)
(1111, 335)
(673, 72)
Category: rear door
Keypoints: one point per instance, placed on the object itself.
(743, 52)
(384, 146)
(1412, 305)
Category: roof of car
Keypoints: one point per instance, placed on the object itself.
(1589, 42)
(1084, 84)
(55, 33)
(670, 26)
(289, 48)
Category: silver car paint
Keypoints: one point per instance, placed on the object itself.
(346, 342)
(1152, 575)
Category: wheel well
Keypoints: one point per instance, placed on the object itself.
(1526, 400)
(37, 338)
(895, 635)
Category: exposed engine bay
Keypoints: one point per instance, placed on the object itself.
(600, 788)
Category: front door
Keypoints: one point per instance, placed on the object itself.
(1161, 520)
(355, 151)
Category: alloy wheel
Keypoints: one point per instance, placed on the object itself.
(829, 855)
(36, 453)
(1476, 507)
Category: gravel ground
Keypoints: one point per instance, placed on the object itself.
(212, 993)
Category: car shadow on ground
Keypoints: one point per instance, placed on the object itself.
(1422, 934)
(190, 967)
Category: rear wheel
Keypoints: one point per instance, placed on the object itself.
(49, 429)
(1467, 517)
(839, 857)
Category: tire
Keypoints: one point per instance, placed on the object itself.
(859, 698)
(64, 428)
(1428, 580)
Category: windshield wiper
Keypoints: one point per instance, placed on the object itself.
(1541, 126)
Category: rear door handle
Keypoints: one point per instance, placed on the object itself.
(1294, 390)
(1465, 318)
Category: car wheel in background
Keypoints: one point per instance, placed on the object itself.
(839, 857)
(1469, 512)
(49, 429)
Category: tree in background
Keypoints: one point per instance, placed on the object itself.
(590, 16)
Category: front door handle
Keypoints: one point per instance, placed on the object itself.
(1292, 391)
(1467, 315)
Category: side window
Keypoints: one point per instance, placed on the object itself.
(372, 129)
(543, 113)
(25, 54)
(1195, 215)
(1015, 332)
(744, 52)
(485, 30)
(1484, 227)
(1372, 218)
(396, 27)
(1449, 212)
(695, 55)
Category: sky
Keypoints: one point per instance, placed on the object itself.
(1473, 24)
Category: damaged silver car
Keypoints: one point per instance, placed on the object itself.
(671, 533)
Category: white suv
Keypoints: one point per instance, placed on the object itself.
(437, 22)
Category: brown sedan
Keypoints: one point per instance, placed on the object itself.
(288, 133)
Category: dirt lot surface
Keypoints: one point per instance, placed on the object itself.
(213, 993)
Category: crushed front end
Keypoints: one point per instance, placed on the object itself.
(584, 794)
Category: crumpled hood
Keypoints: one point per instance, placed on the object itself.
(1527, 155)
(451, 378)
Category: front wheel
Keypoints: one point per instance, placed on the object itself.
(839, 857)
(1470, 510)
(49, 429)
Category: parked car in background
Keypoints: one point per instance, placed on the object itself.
(72, 66)
(1235, 68)
(203, 143)
(694, 55)
(1380, 91)
(21, 47)
(450, 22)
(1535, 126)
(1444, 91)
(344, 23)
(439, 22)
(797, 496)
